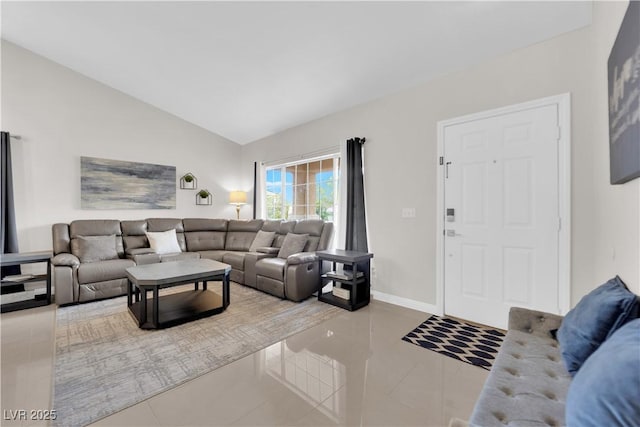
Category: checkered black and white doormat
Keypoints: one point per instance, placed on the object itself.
(469, 343)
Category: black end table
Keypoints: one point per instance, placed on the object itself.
(27, 258)
(356, 279)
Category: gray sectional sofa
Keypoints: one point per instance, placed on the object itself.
(80, 274)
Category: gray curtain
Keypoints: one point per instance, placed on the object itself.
(356, 239)
(8, 232)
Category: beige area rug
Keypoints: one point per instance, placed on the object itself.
(105, 363)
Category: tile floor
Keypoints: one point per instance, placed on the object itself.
(351, 370)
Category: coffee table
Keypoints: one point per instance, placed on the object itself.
(176, 308)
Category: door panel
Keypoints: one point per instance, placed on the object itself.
(501, 248)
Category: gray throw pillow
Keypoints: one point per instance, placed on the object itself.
(94, 248)
(292, 244)
(263, 239)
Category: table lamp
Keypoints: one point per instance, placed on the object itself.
(238, 198)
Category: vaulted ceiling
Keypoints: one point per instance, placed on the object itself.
(246, 70)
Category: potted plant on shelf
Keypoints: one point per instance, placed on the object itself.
(203, 197)
(188, 182)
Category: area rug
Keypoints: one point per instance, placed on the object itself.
(104, 363)
(469, 343)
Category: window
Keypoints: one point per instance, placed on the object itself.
(303, 190)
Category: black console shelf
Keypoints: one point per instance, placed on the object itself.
(27, 258)
(356, 278)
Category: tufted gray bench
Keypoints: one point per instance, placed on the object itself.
(528, 382)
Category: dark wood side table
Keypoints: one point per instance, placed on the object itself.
(356, 279)
(27, 258)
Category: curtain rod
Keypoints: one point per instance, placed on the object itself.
(16, 137)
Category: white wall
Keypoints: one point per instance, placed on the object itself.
(616, 225)
(62, 115)
(401, 157)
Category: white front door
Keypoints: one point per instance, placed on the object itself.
(502, 215)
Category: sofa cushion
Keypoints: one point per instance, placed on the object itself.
(239, 240)
(164, 242)
(135, 242)
(292, 244)
(605, 391)
(285, 228)
(241, 234)
(205, 240)
(234, 259)
(271, 267)
(164, 224)
(95, 227)
(133, 235)
(204, 224)
(312, 227)
(251, 225)
(179, 256)
(263, 239)
(598, 315)
(271, 225)
(214, 255)
(94, 248)
(134, 228)
(101, 271)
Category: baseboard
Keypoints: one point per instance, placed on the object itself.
(406, 302)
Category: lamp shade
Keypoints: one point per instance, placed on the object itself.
(238, 198)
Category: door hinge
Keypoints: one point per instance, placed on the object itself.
(441, 160)
(558, 133)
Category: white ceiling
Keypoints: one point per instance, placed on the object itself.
(246, 70)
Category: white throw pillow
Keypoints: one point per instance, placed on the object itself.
(163, 242)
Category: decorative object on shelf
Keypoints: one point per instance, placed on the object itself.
(116, 184)
(238, 198)
(188, 181)
(203, 197)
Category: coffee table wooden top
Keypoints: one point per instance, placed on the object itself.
(166, 273)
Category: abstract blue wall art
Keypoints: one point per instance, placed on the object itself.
(116, 184)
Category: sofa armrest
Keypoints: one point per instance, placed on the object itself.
(302, 258)
(138, 251)
(148, 258)
(250, 259)
(64, 278)
(270, 251)
(65, 259)
(533, 322)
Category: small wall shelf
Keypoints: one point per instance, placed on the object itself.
(188, 182)
(206, 200)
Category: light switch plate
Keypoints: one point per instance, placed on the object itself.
(408, 212)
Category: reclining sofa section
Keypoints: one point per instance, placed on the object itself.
(80, 274)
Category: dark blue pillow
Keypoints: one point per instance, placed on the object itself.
(598, 315)
(606, 390)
